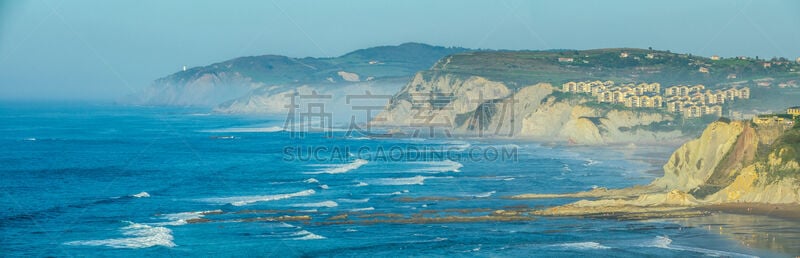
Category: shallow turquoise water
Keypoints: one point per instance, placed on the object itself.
(78, 179)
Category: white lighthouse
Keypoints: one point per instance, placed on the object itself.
(184, 68)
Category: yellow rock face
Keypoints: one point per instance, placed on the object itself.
(535, 113)
(692, 164)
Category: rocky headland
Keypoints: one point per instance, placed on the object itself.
(734, 166)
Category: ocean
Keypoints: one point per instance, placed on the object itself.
(84, 179)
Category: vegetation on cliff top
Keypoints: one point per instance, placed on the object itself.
(787, 148)
(384, 61)
(520, 68)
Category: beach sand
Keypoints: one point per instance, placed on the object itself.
(783, 211)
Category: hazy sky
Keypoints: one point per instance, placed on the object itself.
(105, 49)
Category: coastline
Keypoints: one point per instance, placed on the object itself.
(789, 212)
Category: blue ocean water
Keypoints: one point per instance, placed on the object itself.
(85, 179)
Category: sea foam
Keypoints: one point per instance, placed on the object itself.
(484, 195)
(270, 129)
(342, 168)
(582, 246)
(441, 166)
(181, 218)
(353, 200)
(305, 235)
(328, 204)
(244, 200)
(363, 209)
(417, 180)
(666, 243)
(141, 195)
(143, 236)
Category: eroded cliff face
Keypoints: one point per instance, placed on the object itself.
(735, 162)
(692, 164)
(207, 89)
(473, 105)
(335, 99)
(730, 163)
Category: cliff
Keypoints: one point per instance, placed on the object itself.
(732, 162)
(737, 162)
(477, 106)
(246, 76)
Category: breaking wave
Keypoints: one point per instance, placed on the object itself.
(364, 209)
(142, 236)
(582, 246)
(343, 168)
(484, 195)
(305, 235)
(441, 166)
(417, 180)
(270, 129)
(353, 200)
(141, 195)
(244, 200)
(328, 204)
(181, 218)
(666, 243)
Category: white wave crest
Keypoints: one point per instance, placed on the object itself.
(582, 246)
(143, 236)
(311, 181)
(343, 168)
(484, 195)
(417, 180)
(141, 195)
(244, 200)
(360, 184)
(329, 204)
(364, 209)
(388, 194)
(441, 166)
(305, 235)
(666, 243)
(181, 218)
(661, 242)
(353, 200)
(270, 129)
(590, 162)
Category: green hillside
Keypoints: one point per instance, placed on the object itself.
(527, 67)
(378, 62)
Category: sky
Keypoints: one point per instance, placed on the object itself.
(103, 50)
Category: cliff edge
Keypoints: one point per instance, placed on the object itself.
(476, 106)
(732, 162)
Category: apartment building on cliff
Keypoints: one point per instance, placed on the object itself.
(690, 101)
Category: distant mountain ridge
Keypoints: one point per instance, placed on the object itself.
(219, 82)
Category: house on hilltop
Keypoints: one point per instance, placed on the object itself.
(566, 59)
(794, 111)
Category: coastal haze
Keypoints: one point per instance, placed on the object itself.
(511, 128)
